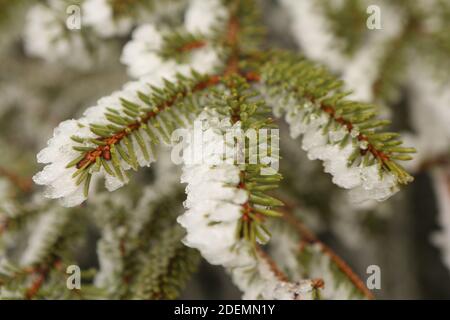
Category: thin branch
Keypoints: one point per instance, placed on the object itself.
(438, 161)
(23, 184)
(232, 42)
(190, 46)
(36, 284)
(41, 273)
(281, 276)
(309, 237)
(104, 151)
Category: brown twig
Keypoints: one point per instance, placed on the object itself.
(309, 237)
(440, 160)
(231, 41)
(232, 67)
(281, 276)
(41, 273)
(22, 183)
(197, 44)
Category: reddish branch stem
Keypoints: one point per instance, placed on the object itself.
(104, 151)
(273, 266)
(440, 160)
(281, 276)
(231, 40)
(309, 237)
(41, 273)
(36, 285)
(197, 44)
(22, 183)
(361, 137)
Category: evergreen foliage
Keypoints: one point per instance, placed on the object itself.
(224, 73)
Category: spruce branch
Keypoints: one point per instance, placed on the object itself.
(313, 98)
(51, 243)
(168, 267)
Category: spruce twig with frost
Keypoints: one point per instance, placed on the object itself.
(404, 60)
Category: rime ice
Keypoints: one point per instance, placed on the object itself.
(364, 182)
(214, 208)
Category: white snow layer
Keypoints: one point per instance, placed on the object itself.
(214, 208)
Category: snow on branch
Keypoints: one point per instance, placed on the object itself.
(217, 211)
(344, 134)
(117, 134)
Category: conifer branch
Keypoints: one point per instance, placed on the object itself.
(107, 142)
(358, 118)
(308, 237)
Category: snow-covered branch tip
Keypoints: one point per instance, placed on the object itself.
(344, 134)
(117, 134)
